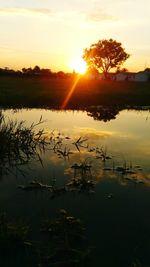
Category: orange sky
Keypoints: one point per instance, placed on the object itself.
(53, 34)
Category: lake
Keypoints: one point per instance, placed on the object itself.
(98, 169)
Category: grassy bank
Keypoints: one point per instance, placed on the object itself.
(46, 92)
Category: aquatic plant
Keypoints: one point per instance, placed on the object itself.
(101, 153)
(19, 143)
(34, 185)
(11, 233)
(66, 236)
(65, 227)
(64, 152)
(80, 142)
(82, 180)
(137, 263)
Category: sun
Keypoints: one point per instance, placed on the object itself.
(79, 66)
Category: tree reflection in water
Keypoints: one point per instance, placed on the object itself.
(103, 113)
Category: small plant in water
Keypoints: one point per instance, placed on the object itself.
(66, 235)
(12, 234)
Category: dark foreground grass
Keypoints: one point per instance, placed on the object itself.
(50, 92)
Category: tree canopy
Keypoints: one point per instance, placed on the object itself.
(105, 55)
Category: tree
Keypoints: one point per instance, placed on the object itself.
(60, 74)
(92, 70)
(147, 70)
(46, 72)
(123, 70)
(36, 70)
(105, 55)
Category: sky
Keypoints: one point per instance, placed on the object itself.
(54, 33)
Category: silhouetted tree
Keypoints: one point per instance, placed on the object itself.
(60, 74)
(46, 72)
(147, 70)
(24, 70)
(121, 70)
(93, 71)
(36, 70)
(7, 71)
(105, 55)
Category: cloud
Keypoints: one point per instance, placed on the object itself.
(25, 11)
(99, 15)
(93, 134)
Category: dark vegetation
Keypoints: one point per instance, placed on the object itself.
(18, 144)
(50, 93)
(33, 72)
(60, 243)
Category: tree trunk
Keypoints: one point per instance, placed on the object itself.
(106, 75)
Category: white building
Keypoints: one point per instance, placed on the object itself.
(132, 76)
(142, 76)
(125, 76)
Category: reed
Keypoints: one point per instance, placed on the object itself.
(19, 143)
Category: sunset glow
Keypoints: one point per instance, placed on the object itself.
(79, 66)
(68, 96)
(51, 33)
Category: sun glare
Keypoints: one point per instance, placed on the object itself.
(79, 66)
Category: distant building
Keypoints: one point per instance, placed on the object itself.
(125, 76)
(141, 76)
(132, 76)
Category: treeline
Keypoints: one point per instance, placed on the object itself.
(34, 72)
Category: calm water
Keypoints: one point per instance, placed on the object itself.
(116, 212)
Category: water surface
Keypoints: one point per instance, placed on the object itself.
(116, 211)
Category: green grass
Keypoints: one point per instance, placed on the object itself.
(46, 92)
